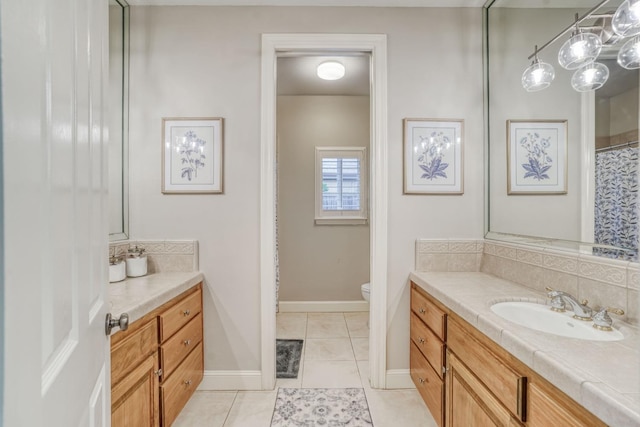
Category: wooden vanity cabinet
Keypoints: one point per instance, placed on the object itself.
(134, 376)
(484, 385)
(427, 352)
(157, 364)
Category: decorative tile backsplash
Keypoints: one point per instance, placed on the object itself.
(163, 255)
(448, 255)
(602, 281)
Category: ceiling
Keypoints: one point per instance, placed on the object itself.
(297, 76)
(366, 3)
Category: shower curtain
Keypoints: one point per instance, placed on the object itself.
(616, 202)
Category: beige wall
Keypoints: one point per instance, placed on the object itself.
(317, 262)
(624, 112)
(513, 35)
(205, 61)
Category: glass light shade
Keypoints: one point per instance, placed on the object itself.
(538, 76)
(590, 77)
(629, 54)
(331, 70)
(626, 20)
(580, 50)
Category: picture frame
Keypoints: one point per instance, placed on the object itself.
(537, 157)
(192, 155)
(433, 158)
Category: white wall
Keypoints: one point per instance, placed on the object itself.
(205, 61)
(317, 262)
(514, 32)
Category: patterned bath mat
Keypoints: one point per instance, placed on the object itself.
(331, 407)
(288, 353)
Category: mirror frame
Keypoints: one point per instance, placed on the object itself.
(124, 132)
(538, 241)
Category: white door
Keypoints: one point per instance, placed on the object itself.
(54, 69)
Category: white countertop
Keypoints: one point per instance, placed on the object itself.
(141, 295)
(604, 377)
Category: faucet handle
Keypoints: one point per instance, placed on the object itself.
(602, 320)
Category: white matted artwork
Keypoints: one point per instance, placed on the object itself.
(536, 156)
(433, 156)
(192, 155)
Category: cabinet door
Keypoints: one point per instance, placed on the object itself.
(135, 398)
(469, 402)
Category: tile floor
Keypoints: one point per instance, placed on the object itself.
(335, 355)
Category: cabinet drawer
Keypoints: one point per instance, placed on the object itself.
(175, 317)
(132, 350)
(428, 343)
(428, 383)
(178, 388)
(431, 315)
(176, 348)
(505, 383)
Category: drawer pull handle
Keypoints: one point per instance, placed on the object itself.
(186, 312)
(187, 382)
(422, 310)
(187, 342)
(158, 372)
(420, 340)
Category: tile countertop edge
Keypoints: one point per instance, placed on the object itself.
(141, 295)
(616, 412)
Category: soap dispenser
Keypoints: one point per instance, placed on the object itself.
(136, 262)
(116, 269)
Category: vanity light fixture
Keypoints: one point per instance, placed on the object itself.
(629, 54)
(626, 20)
(330, 70)
(581, 49)
(590, 77)
(538, 76)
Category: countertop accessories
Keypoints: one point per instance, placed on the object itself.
(117, 270)
(136, 262)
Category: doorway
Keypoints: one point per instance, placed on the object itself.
(274, 45)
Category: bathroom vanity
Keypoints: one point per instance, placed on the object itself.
(157, 363)
(473, 368)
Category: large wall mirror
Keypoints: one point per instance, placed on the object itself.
(563, 162)
(118, 119)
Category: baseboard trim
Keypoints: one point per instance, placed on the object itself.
(231, 380)
(322, 306)
(399, 378)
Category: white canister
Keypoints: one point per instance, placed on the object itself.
(117, 271)
(136, 262)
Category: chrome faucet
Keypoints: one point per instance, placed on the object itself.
(559, 299)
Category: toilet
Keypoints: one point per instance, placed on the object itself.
(366, 290)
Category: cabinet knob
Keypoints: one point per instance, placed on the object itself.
(187, 382)
(186, 312)
(158, 372)
(422, 310)
(420, 340)
(187, 342)
(421, 380)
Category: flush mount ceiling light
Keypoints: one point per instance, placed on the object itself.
(626, 20)
(629, 54)
(581, 49)
(538, 76)
(330, 70)
(590, 77)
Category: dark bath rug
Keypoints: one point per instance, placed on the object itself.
(288, 353)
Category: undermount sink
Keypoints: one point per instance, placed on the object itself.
(542, 318)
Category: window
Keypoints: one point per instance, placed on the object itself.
(341, 185)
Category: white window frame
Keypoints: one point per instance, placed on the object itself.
(341, 217)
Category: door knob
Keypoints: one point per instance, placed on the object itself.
(122, 322)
